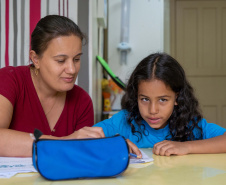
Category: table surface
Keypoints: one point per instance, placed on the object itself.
(197, 169)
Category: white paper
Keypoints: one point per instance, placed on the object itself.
(144, 159)
(9, 166)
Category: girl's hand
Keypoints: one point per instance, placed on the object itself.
(134, 149)
(167, 148)
(86, 132)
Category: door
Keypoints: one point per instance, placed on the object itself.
(199, 44)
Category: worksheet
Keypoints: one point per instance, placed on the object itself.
(9, 166)
(144, 159)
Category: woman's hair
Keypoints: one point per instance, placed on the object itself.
(50, 27)
(186, 114)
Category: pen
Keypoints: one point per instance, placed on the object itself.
(133, 155)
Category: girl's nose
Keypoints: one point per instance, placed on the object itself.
(153, 108)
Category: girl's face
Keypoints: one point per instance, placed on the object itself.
(156, 102)
(60, 63)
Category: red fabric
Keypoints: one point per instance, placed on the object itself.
(63, 8)
(67, 8)
(7, 33)
(17, 86)
(58, 7)
(35, 13)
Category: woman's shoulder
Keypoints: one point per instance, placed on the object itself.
(15, 68)
(12, 81)
(78, 92)
(78, 97)
(18, 71)
(11, 73)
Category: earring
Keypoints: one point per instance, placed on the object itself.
(36, 71)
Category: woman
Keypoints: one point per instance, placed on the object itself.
(43, 95)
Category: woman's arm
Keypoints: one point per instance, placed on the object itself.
(12, 143)
(212, 145)
(19, 144)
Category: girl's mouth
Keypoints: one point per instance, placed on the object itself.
(154, 120)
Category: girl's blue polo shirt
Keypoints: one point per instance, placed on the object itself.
(118, 124)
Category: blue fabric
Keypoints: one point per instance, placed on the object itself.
(118, 124)
(81, 158)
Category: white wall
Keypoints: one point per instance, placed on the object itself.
(146, 33)
(95, 69)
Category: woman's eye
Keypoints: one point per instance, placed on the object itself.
(77, 59)
(61, 61)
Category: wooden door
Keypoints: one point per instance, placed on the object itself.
(199, 44)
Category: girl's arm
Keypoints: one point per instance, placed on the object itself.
(19, 144)
(210, 146)
(133, 148)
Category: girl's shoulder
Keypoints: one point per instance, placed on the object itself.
(117, 124)
(119, 119)
(204, 123)
(122, 114)
(210, 129)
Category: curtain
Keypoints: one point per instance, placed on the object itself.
(17, 21)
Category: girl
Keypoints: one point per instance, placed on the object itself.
(161, 111)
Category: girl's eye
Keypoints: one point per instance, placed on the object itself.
(163, 100)
(144, 99)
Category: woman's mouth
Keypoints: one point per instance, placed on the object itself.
(69, 79)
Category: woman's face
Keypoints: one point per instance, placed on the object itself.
(60, 63)
(156, 102)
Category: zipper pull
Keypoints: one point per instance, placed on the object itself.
(37, 134)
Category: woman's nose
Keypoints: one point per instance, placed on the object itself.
(71, 67)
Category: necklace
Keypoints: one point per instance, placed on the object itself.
(32, 70)
(52, 105)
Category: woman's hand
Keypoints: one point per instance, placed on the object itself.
(86, 132)
(167, 148)
(134, 149)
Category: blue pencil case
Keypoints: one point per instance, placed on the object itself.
(80, 158)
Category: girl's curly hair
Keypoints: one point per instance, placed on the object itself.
(186, 113)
